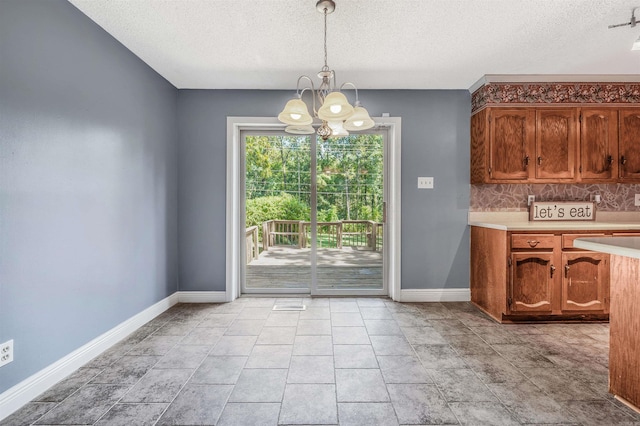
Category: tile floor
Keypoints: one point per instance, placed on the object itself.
(342, 361)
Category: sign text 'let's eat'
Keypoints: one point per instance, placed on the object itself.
(562, 210)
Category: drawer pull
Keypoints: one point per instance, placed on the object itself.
(533, 243)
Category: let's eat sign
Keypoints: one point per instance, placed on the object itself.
(562, 210)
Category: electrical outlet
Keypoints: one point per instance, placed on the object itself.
(530, 199)
(425, 183)
(6, 352)
(637, 200)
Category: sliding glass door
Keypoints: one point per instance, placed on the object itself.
(314, 212)
(350, 214)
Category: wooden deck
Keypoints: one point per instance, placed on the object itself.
(289, 268)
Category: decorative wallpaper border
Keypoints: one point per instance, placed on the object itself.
(555, 93)
(513, 197)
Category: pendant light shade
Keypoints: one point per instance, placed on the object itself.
(295, 113)
(335, 108)
(300, 130)
(359, 120)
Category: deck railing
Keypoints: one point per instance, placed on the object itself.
(251, 241)
(344, 233)
(282, 233)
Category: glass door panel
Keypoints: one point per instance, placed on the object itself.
(277, 183)
(350, 215)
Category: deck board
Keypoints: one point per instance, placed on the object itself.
(289, 268)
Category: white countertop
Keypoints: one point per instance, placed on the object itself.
(519, 221)
(622, 246)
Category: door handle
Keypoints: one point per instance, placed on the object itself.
(566, 270)
(553, 269)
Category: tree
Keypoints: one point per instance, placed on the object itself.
(349, 173)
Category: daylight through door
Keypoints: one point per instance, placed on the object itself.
(314, 214)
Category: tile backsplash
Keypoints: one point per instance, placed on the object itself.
(513, 197)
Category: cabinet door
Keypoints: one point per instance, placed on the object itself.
(531, 281)
(555, 143)
(510, 141)
(479, 170)
(598, 144)
(585, 281)
(629, 146)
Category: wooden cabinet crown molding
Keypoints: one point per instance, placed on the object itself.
(556, 94)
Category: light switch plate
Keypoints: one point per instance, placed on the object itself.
(425, 183)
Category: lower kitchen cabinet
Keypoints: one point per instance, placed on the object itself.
(538, 276)
(585, 281)
(531, 279)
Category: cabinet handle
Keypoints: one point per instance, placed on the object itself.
(623, 160)
(539, 161)
(553, 269)
(609, 162)
(526, 161)
(533, 243)
(566, 270)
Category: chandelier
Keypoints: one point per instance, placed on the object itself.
(338, 116)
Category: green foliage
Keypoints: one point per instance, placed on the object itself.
(366, 213)
(279, 207)
(328, 215)
(349, 177)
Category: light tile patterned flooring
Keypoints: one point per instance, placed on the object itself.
(342, 361)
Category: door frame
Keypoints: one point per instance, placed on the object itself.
(235, 191)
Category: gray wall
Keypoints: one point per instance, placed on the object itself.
(88, 183)
(89, 193)
(435, 142)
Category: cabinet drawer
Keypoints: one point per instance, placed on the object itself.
(567, 239)
(532, 241)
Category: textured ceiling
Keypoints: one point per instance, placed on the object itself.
(376, 44)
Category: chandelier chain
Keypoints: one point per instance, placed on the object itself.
(325, 38)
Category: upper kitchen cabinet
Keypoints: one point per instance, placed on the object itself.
(556, 138)
(522, 145)
(510, 138)
(555, 132)
(598, 144)
(629, 146)
(502, 142)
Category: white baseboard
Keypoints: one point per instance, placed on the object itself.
(15, 397)
(435, 295)
(202, 296)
